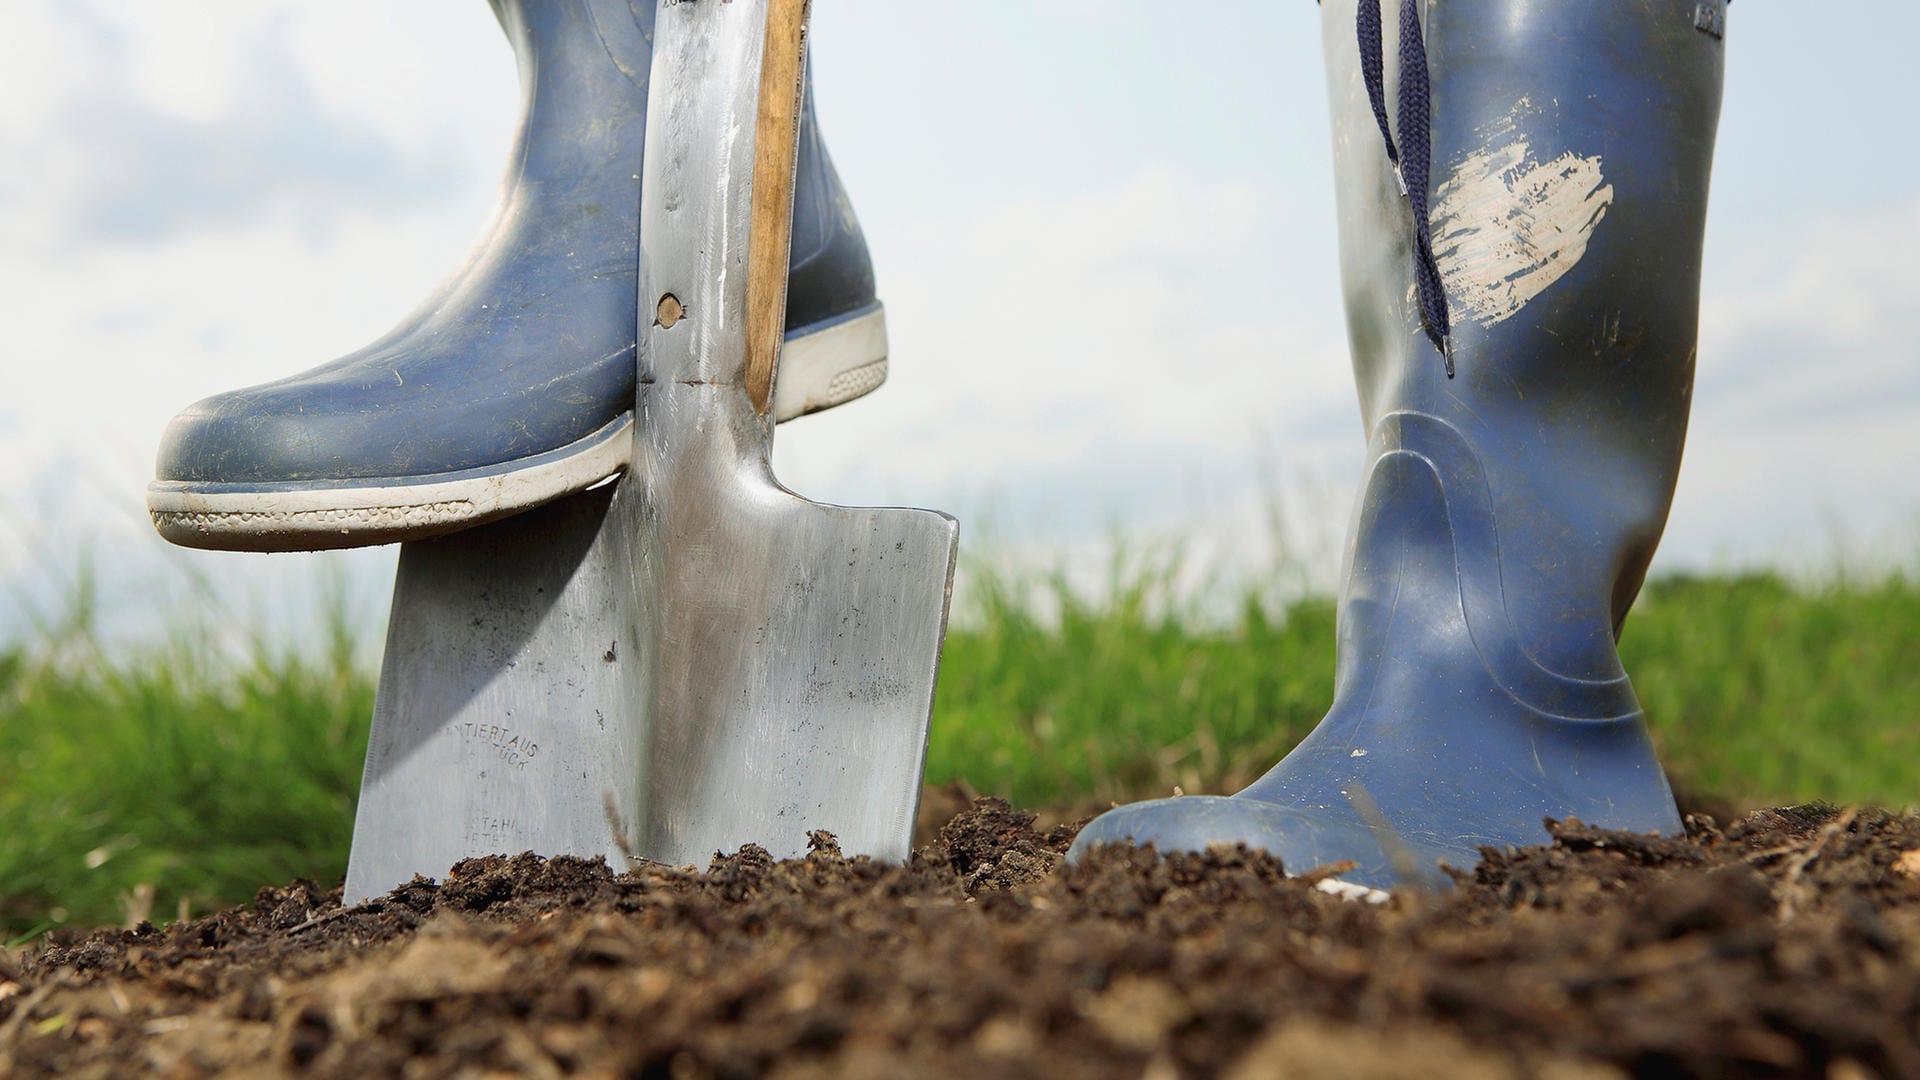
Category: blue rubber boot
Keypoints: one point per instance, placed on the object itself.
(1510, 506)
(514, 384)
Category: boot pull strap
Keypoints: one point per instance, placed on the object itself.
(1412, 163)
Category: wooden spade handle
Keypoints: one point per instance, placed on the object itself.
(770, 231)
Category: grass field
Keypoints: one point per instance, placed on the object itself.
(176, 781)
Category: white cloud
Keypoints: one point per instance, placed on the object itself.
(1806, 432)
(1146, 345)
(1028, 337)
(112, 331)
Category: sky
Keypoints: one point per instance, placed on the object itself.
(1104, 233)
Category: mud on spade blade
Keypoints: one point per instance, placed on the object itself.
(702, 659)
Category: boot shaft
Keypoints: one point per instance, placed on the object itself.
(583, 67)
(1571, 150)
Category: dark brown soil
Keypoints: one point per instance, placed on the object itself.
(1785, 944)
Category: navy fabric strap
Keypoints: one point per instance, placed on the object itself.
(1412, 161)
(1416, 127)
(1371, 51)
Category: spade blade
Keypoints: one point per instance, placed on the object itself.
(797, 652)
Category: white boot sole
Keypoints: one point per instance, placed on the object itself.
(828, 367)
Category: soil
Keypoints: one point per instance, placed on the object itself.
(1784, 944)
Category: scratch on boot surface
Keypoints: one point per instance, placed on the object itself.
(1506, 226)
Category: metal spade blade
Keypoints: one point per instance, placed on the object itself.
(699, 659)
(503, 721)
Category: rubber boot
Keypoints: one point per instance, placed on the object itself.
(1508, 511)
(514, 384)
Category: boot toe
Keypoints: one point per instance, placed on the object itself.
(260, 436)
(403, 419)
(1302, 840)
(296, 466)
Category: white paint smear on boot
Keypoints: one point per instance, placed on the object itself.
(1506, 227)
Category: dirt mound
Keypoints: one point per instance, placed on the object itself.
(1786, 944)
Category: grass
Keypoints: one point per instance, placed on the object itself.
(174, 782)
(179, 781)
(1757, 691)
(1760, 693)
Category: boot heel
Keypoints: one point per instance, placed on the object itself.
(831, 362)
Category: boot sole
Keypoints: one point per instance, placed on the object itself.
(822, 366)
